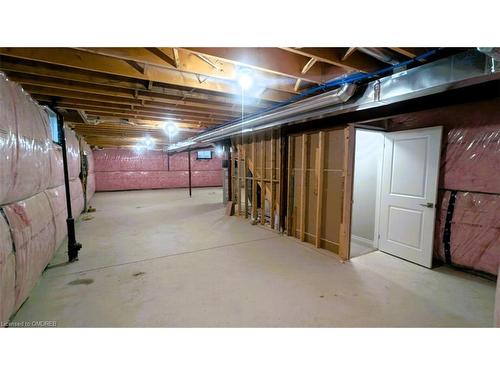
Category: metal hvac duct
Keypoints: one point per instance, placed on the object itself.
(273, 118)
(493, 52)
(462, 70)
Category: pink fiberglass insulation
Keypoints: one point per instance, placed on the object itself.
(25, 144)
(76, 192)
(73, 154)
(123, 160)
(90, 186)
(497, 303)
(57, 201)
(8, 139)
(30, 161)
(475, 231)
(7, 273)
(120, 169)
(471, 158)
(471, 143)
(56, 166)
(33, 233)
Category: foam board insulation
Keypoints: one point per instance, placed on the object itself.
(120, 169)
(7, 273)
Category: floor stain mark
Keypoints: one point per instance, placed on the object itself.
(137, 274)
(81, 282)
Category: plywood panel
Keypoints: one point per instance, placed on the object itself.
(322, 189)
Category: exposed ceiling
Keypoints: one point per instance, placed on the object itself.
(116, 96)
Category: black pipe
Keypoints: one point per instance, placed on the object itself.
(73, 246)
(189, 168)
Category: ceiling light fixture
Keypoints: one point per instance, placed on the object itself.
(170, 128)
(245, 79)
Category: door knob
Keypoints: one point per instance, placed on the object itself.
(428, 205)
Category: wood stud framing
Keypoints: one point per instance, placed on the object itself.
(318, 175)
(345, 226)
(262, 172)
(303, 189)
(320, 162)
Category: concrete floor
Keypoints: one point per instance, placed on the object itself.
(158, 258)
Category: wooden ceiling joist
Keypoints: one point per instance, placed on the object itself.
(271, 60)
(99, 63)
(334, 56)
(115, 96)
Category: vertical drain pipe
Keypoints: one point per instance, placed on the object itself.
(189, 168)
(73, 246)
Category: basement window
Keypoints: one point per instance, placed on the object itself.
(54, 129)
(206, 154)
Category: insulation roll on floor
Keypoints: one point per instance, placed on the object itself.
(25, 144)
(33, 234)
(7, 273)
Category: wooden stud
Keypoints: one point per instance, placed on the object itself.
(320, 162)
(245, 180)
(239, 180)
(262, 183)
(273, 162)
(233, 177)
(303, 195)
(289, 206)
(254, 179)
(345, 225)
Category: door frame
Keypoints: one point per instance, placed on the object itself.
(380, 171)
(380, 182)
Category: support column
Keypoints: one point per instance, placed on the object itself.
(189, 169)
(73, 246)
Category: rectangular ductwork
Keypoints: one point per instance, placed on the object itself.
(462, 70)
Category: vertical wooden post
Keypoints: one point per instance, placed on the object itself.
(320, 165)
(229, 174)
(273, 163)
(239, 179)
(289, 193)
(245, 182)
(262, 183)
(281, 160)
(303, 189)
(254, 178)
(345, 225)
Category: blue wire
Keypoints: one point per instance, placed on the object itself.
(353, 78)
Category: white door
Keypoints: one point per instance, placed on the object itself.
(408, 194)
